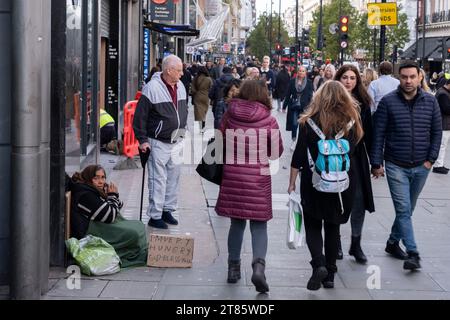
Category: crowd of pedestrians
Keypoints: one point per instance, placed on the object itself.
(378, 126)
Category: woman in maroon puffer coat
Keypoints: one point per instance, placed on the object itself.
(251, 137)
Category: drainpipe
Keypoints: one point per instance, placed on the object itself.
(28, 47)
(44, 150)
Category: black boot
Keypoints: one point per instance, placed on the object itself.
(319, 273)
(258, 276)
(340, 255)
(356, 251)
(328, 282)
(234, 271)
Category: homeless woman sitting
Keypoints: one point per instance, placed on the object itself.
(95, 210)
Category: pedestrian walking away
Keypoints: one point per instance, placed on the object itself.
(443, 98)
(334, 113)
(159, 125)
(200, 88)
(349, 76)
(246, 188)
(383, 85)
(407, 135)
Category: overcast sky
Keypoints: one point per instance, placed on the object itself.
(263, 5)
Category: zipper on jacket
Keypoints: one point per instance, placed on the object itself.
(158, 129)
(178, 129)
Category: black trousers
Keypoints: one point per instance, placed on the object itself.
(314, 240)
(107, 133)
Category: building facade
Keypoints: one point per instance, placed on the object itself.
(72, 59)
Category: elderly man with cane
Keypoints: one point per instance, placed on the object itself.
(159, 124)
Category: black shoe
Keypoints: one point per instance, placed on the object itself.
(234, 271)
(440, 170)
(258, 276)
(395, 250)
(340, 254)
(446, 168)
(356, 251)
(319, 274)
(412, 263)
(167, 217)
(328, 282)
(157, 223)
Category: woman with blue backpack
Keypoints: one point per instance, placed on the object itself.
(349, 76)
(329, 131)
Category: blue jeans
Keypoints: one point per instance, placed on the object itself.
(405, 185)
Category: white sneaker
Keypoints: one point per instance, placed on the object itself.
(293, 145)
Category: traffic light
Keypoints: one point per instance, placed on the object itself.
(448, 54)
(305, 37)
(278, 49)
(343, 31)
(441, 47)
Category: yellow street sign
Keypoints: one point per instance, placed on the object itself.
(382, 14)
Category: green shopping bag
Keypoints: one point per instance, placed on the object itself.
(94, 255)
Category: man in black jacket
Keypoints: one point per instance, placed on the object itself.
(408, 125)
(159, 124)
(443, 98)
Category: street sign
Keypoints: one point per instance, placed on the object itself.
(344, 44)
(226, 47)
(382, 14)
(190, 50)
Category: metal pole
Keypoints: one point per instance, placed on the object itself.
(296, 34)
(26, 121)
(416, 56)
(270, 30)
(341, 50)
(423, 32)
(279, 29)
(375, 31)
(320, 29)
(382, 39)
(57, 143)
(45, 146)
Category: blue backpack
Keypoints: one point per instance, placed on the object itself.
(330, 170)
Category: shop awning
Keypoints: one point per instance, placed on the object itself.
(172, 29)
(211, 30)
(431, 50)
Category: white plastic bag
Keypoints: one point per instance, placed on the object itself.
(296, 228)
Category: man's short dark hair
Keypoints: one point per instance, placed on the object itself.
(409, 64)
(385, 68)
(226, 69)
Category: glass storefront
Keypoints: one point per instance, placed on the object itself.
(81, 113)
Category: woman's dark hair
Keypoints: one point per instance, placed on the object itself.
(359, 91)
(152, 72)
(87, 175)
(234, 82)
(203, 70)
(255, 90)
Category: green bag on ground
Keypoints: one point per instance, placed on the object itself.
(94, 255)
(127, 237)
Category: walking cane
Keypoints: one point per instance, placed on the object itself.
(144, 157)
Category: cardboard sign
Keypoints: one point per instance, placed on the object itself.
(170, 251)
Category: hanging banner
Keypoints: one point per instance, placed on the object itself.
(146, 53)
(162, 10)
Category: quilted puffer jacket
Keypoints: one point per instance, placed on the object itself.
(246, 189)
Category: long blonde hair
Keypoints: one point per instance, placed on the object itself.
(335, 108)
(423, 81)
